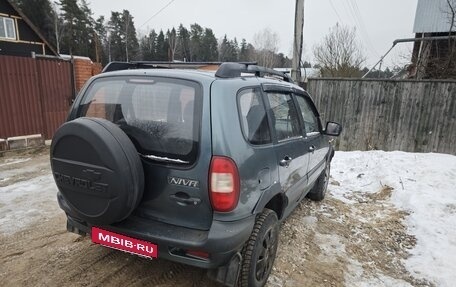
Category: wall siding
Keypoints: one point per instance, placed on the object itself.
(412, 116)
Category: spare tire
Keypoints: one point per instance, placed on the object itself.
(97, 170)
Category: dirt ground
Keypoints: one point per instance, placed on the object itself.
(331, 243)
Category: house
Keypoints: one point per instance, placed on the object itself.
(18, 36)
(434, 58)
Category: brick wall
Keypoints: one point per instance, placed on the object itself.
(84, 70)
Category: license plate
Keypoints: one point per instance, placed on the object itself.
(124, 243)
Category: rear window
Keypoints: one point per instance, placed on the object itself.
(161, 116)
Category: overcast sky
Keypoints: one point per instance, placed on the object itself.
(378, 22)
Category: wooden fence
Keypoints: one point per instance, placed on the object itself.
(412, 116)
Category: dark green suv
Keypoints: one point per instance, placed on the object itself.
(190, 166)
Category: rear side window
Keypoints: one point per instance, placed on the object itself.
(161, 116)
(253, 117)
(285, 117)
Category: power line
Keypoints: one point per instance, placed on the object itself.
(359, 24)
(363, 26)
(159, 11)
(335, 11)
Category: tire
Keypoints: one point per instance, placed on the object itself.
(97, 170)
(318, 192)
(259, 251)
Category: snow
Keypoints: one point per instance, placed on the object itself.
(14, 161)
(25, 202)
(425, 186)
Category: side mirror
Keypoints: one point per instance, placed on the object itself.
(333, 129)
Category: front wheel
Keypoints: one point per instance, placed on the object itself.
(260, 250)
(318, 192)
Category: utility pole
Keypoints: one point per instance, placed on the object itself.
(126, 35)
(297, 43)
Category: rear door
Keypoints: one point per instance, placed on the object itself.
(290, 149)
(166, 121)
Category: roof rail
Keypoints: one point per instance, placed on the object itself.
(116, 66)
(233, 70)
(225, 70)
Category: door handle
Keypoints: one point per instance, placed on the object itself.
(285, 161)
(312, 148)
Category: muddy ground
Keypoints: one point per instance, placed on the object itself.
(331, 243)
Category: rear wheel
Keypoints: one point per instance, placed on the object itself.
(318, 192)
(260, 250)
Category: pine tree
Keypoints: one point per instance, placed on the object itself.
(116, 50)
(228, 50)
(123, 42)
(162, 47)
(196, 35)
(131, 41)
(78, 37)
(87, 35)
(246, 52)
(172, 43)
(101, 40)
(183, 49)
(148, 46)
(209, 46)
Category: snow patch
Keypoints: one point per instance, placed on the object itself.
(22, 203)
(14, 161)
(424, 186)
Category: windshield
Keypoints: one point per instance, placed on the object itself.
(160, 115)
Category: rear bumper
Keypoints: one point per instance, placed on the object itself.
(221, 241)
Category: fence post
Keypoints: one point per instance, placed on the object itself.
(41, 98)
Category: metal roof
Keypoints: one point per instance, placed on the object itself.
(432, 16)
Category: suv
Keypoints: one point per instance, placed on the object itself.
(191, 166)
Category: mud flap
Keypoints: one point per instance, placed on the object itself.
(76, 227)
(229, 273)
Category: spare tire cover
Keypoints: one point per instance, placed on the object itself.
(97, 170)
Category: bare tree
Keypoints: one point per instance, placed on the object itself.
(172, 43)
(266, 44)
(339, 54)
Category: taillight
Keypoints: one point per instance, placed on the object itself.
(223, 184)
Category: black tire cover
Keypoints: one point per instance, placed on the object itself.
(97, 170)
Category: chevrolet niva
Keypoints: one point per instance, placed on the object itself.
(190, 166)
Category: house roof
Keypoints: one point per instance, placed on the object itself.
(433, 16)
(33, 27)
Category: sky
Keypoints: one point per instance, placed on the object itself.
(378, 23)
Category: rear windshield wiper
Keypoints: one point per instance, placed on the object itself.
(164, 159)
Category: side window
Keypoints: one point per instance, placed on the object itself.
(309, 117)
(253, 117)
(285, 119)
